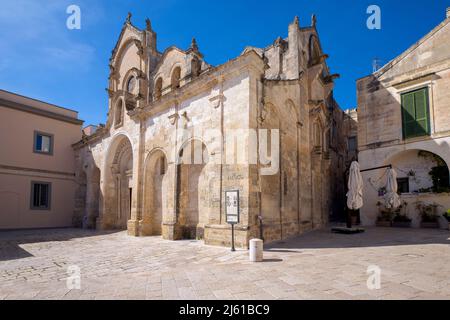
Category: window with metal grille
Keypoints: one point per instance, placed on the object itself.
(40, 195)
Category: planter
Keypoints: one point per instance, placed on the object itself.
(385, 224)
(429, 225)
(401, 224)
(354, 220)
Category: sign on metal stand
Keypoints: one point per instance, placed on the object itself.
(232, 211)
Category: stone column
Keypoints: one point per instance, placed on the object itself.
(169, 226)
(137, 183)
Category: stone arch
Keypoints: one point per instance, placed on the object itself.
(415, 165)
(157, 91)
(191, 192)
(314, 50)
(154, 192)
(123, 48)
(191, 153)
(175, 77)
(131, 85)
(117, 182)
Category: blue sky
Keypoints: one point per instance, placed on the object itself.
(41, 58)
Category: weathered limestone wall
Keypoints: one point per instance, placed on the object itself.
(426, 64)
(280, 193)
(217, 110)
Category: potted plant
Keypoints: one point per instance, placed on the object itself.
(428, 215)
(384, 219)
(384, 216)
(446, 215)
(381, 191)
(401, 220)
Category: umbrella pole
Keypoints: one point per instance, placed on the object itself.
(349, 218)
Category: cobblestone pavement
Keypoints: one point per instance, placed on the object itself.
(319, 265)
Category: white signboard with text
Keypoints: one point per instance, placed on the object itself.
(232, 206)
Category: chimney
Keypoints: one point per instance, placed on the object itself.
(448, 12)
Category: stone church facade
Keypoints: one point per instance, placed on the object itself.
(180, 133)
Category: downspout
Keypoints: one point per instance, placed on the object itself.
(258, 168)
(222, 151)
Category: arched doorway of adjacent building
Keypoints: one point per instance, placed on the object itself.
(154, 194)
(192, 159)
(118, 183)
(420, 171)
(423, 185)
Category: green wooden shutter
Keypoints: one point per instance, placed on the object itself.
(421, 105)
(415, 114)
(409, 115)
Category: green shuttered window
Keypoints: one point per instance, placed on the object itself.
(415, 114)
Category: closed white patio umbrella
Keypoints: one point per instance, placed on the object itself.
(354, 198)
(355, 187)
(391, 198)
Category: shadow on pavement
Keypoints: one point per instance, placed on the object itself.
(11, 241)
(373, 237)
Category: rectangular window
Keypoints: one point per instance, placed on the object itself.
(415, 114)
(403, 185)
(40, 195)
(43, 143)
(352, 144)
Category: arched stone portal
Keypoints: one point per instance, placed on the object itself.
(192, 160)
(154, 193)
(117, 182)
